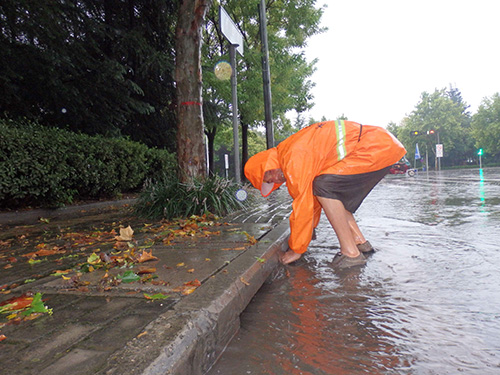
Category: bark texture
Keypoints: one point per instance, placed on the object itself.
(190, 145)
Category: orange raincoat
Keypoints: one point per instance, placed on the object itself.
(331, 147)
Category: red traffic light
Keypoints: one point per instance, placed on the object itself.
(430, 131)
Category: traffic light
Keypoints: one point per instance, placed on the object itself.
(414, 133)
(480, 151)
(430, 131)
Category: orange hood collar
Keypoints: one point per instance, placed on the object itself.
(258, 164)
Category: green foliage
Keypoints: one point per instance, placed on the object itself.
(486, 125)
(290, 24)
(167, 198)
(52, 167)
(446, 113)
(98, 67)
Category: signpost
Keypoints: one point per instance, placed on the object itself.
(266, 76)
(235, 38)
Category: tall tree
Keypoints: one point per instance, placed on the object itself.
(91, 66)
(290, 24)
(190, 146)
(446, 114)
(486, 125)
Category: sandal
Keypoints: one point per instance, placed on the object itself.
(365, 247)
(343, 261)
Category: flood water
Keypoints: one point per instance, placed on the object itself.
(426, 302)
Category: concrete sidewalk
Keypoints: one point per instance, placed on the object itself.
(102, 326)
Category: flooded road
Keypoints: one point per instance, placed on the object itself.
(426, 302)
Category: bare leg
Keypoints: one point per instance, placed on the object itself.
(339, 219)
(358, 236)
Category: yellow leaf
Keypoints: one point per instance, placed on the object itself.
(125, 234)
(244, 281)
(191, 270)
(12, 316)
(188, 290)
(180, 264)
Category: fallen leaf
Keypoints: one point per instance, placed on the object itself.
(142, 334)
(60, 272)
(125, 234)
(155, 297)
(180, 264)
(189, 290)
(5, 243)
(2, 337)
(43, 252)
(191, 270)
(244, 281)
(194, 282)
(144, 270)
(250, 238)
(94, 259)
(129, 277)
(145, 256)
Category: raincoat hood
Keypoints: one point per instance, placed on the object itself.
(257, 165)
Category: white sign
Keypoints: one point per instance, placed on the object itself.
(226, 161)
(230, 30)
(439, 150)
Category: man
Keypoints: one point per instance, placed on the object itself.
(331, 165)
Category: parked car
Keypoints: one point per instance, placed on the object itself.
(400, 167)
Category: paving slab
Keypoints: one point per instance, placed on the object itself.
(117, 330)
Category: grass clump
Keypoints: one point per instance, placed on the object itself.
(167, 198)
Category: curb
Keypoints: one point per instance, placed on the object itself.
(190, 338)
(32, 216)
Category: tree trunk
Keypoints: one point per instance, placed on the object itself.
(190, 145)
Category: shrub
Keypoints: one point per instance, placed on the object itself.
(167, 198)
(42, 166)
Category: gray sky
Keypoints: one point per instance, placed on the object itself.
(378, 56)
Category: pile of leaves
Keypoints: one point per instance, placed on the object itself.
(29, 306)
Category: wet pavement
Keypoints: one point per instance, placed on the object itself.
(164, 299)
(426, 302)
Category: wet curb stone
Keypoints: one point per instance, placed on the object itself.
(189, 338)
(32, 216)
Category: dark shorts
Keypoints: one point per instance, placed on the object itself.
(351, 190)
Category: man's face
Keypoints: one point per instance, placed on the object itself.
(274, 176)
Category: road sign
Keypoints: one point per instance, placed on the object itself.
(230, 30)
(439, 150)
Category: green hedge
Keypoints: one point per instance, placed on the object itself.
(42, 166)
